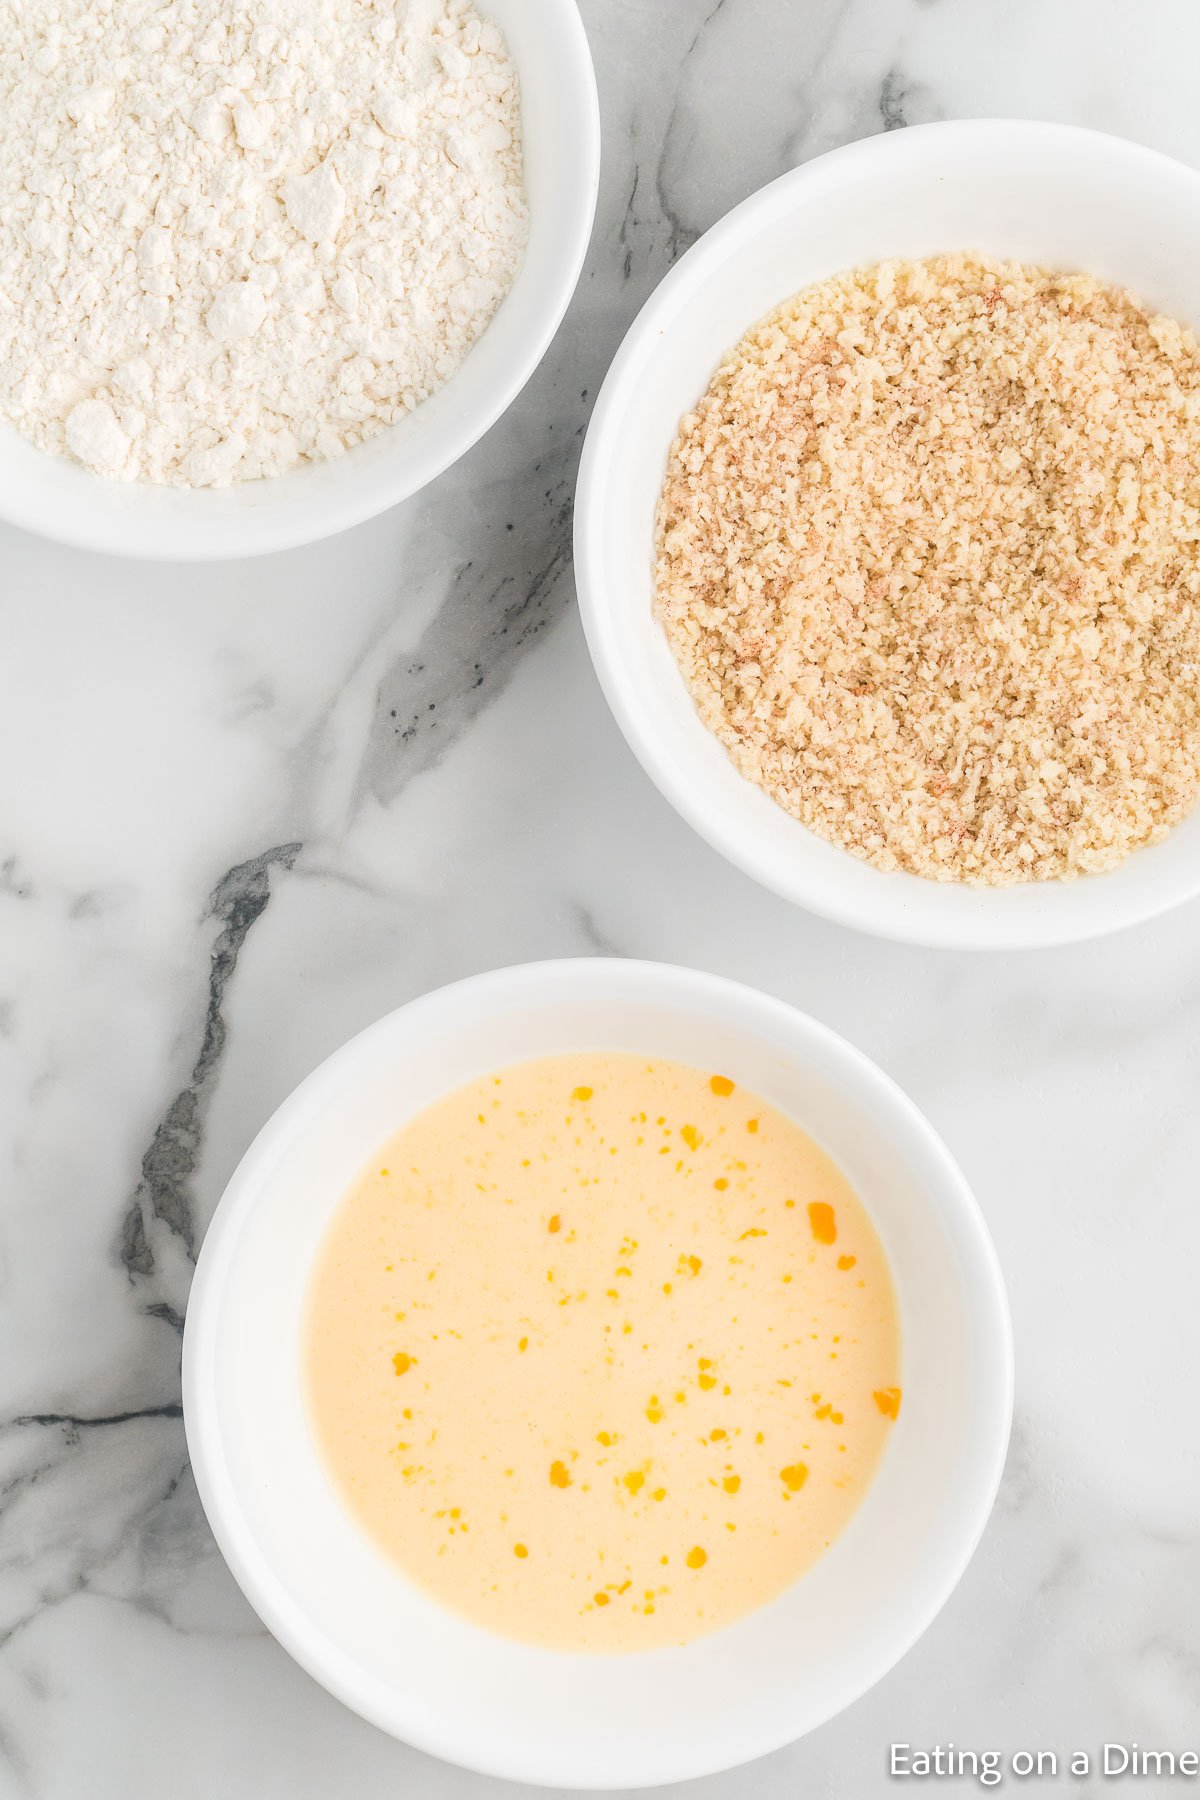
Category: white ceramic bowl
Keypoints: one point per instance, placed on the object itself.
(390, 1651)
(561, 126)
(1046, 194)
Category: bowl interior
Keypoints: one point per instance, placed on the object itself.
(448, 1686)
(1045, 194)
(58, 498)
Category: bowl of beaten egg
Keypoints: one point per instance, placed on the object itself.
(597, 1374)
(886, 535)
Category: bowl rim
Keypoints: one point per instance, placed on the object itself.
(509, 989)
(265, 532)
(676, 777)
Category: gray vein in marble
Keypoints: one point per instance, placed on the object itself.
(11, 882)
(628, 226)
(682, 236)
(74, 1423)
(598, 941)
(501, 598)
(170, 1315)
(162, 1199)
(16, 1759)
(810, 96)
(905, 101)
(892, 97)
(150, 1571)
(61, 1529)
(674, 150)
(79, 1580)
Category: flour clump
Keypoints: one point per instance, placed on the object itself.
(233, 239)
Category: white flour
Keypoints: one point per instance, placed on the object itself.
(234, 236)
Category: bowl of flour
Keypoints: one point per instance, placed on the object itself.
(266, 272)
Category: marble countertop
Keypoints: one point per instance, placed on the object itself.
(246, 809)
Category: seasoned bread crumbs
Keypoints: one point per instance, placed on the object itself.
(929, 560)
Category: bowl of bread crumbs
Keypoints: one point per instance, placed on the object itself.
(888, 535)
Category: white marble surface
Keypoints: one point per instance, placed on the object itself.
(244, 810)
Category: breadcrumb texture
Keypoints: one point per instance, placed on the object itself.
(928, 557)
